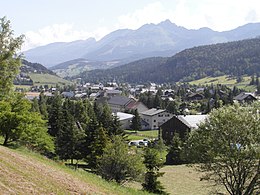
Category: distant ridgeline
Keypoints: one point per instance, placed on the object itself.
(27, 68)
(233, 58)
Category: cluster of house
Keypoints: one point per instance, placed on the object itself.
(151, 119)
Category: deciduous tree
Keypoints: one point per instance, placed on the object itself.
(10, 61)
(228, 147)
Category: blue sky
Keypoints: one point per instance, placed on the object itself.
(47, 21)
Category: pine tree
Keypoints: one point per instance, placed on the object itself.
(153, 164)
(43, 105)
(252, 82)
(116, 128)
(174, 154)
(68, 137)
(35, 106)
(55, 115)
(136, 121)
(157, 100)
(96, 146)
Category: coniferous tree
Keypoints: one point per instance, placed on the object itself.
(136, 121)
(43, 105)
(69, 136)
(96, 146)
(175, 151)
(153, 164)
(257, 80)
(116, 128)
(35, 106)
(55, 115)
(157, 100)
(252, 82)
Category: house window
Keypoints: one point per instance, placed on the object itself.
(160, 115)
(167, 115)
(154, 126)
(154, 120)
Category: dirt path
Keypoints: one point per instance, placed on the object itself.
(20, 174)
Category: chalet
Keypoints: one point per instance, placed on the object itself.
(155, 117)
(245, 97)
(181, 124)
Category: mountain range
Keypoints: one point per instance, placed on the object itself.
(236, 59)
(123, 46)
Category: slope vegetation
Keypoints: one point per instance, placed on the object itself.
(22, 172)
(234, 58)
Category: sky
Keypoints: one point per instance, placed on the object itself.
(46, 21)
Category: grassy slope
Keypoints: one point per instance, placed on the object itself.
(47, 79)
(229, 81)
(22, 172)
(183, 180)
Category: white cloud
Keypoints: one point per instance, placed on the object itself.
(152, 13)
(219, 15)
(59, 33)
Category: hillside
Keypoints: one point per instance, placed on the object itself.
(76, 66)
(234, 58)
(29, 67)
(37, 74)
(22, 172)
(150, 40)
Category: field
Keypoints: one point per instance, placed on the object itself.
(47, 79)
(139, 135)
(229, 81)
(182, 179)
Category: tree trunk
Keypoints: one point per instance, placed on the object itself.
(6, 140)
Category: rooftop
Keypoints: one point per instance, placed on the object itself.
(152, 111)
(192, 121)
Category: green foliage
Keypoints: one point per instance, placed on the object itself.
(96, 141)
(228, 147)
(153, 163)
(136, 121)
(118, 163)
(55, 114)
(18, 123)
(35, 134)
(43, 105)
(9, 60)
(174, 156)
(234, 58)
(69, 137)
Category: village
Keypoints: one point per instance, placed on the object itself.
(177, 110)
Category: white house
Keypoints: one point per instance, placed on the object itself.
(155, 117)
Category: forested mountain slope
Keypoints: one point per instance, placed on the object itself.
(233, 58)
